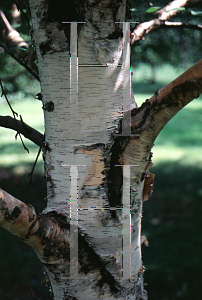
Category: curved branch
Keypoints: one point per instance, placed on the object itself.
(148, 120)
(22, 220)
(49, 236)
(23, 13)
(21, 127)
(163, 15)
(181, 25)
(166, 102)
(17, 217)
(11, 37)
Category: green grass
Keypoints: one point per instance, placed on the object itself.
(12, 153)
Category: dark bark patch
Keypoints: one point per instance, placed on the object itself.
(14, 215)
(16, 212)
(61, 219)
(118, 33)
(90, 260)
(65, 10)
(56, 248)
(48, 106)
(115, 177)
(114, 5)
(46, 146)
(46, 48)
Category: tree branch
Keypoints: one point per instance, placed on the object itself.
(21, 127)
(12, 39)
(49, 236)
(148, 120)
(21, 62)
(20, 219)
(37, 231)
(166, 102)
(181, 25)
(163, 15)
(23, 13)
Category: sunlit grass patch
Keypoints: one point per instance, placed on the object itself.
(142, 76)
(12, 153)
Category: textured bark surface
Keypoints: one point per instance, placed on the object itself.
(91, 146)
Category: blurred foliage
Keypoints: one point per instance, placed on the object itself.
(13, 75)
(179, 47)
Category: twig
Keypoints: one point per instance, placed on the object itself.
(30, 175)
(28, 132)
(4, 94)
(21, 62)
(15, 114)
(181, 25)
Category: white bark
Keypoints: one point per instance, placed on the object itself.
(88, 147)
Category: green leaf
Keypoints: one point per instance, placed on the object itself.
(153, 9)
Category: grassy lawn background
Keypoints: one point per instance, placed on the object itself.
(171, 218)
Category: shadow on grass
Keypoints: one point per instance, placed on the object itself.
(172, 222)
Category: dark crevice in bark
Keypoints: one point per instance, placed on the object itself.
(114, 172)
(45, 48)
(115, 177)
(90, 260)
(118, 33)
(57, 248)
(61, 219)
(66, 11)
(55, 245)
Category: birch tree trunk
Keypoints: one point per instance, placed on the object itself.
(89, 236)
(82, 148)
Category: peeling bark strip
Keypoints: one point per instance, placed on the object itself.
(148, 186)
